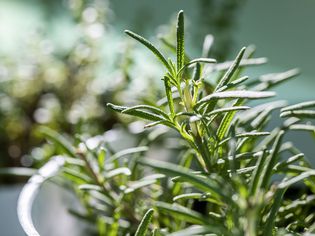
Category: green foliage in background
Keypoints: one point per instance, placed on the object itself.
(64, 88)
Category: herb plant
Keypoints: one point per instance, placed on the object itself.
(232, 177)
(235, 158)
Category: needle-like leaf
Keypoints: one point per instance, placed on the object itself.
(180, 46)
(150, 46)
(144, 224)
(234, 95)
(228, 75)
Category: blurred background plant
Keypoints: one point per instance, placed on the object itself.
(63, 89)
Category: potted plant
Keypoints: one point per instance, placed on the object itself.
(230, 176)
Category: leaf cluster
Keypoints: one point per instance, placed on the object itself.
(232, 176)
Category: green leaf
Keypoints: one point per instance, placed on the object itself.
(18, 171)
(197, 72)
(118, 171)
(271, 160)
(233, 83)
(101, 158)
(254, 112)
(289, 161)
(252, 134)
(302, 127)
(226, 122)
(195, 61)
(90, 187)
(172, 47)
(296, 204)
(299, 113)
(271, 80)
(156, 110)
(138, 113)
(76, 176)
(144, 115)
(161, 122)
(180, 46)
(299, 106)
(188, 196)
(182, 213)
(245, 62)
(58, 140)
(245, 135)
(234, 95)
(116, 107)
(151, 47)
(287, 183)
(168, 91)
(228, 75)
(269, 225)
(144, 224)
(227, 109)
(139, 184)
(169, 169)
(200, 230)
(125, 152)
(256, 179)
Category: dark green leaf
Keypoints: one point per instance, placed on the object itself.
(182, 213)
(269, 225)
(227, 121)
(144, 224)
(188, 196)
(203, 184)
(180, 46)
(228, 75)
(197, 72)
(271, 160)
(144, 115)
(233, 83)
(168, 91)
(156, 110)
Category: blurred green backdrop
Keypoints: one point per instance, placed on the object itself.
(282, 30)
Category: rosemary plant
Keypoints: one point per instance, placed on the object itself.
(234, 176)
(236, 160)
